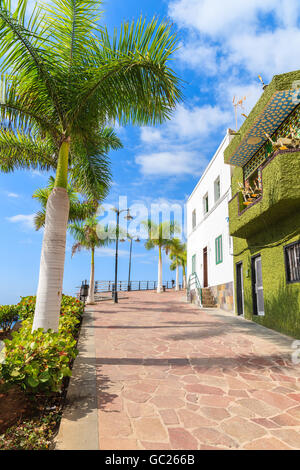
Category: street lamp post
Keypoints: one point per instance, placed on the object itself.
(128, 217)
(130, 255)
(129, 286)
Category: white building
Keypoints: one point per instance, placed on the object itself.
(209, 245)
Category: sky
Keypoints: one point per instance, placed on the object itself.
(223, 46)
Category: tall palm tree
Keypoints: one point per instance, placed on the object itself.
(79, 210)
(65, 78)
(160, 236)
(177, 254)
(183, 261)
(87, 238)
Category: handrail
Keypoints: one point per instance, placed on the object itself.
(194, 283)
(109, 286)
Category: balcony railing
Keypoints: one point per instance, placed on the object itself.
(279, 198)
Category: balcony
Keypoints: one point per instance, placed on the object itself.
(279, 198)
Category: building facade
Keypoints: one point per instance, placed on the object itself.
(264, 211)
(209, 245)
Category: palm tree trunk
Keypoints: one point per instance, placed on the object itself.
(177, 277)
(52, 262)
(184, 277)
(159, 280)
(91, 296)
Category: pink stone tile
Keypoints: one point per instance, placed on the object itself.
(266, 443)
(181, 439)
(217, 414)
(209, 436)
(169, 417)
(150, 429)
(191, 419)
(204, 389)
(165, 401)
(118, 444)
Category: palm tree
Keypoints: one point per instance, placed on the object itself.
(87, 238)
(177, 254)
(182, 262)
(160, 235)
(79, 211)
(64, 80)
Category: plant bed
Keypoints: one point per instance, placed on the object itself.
(34, 378)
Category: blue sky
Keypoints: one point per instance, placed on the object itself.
(224, 45)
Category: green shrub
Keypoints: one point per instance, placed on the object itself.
(8, 315)
(38, 361)
(69, 304)
(26, 307)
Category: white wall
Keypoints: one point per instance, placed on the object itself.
(213, 224)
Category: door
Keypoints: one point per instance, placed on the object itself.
(239, 289)
(257, 287)
(205, 273)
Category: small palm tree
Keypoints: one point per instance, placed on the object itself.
(87, 238)
(177, 254)
(79, 210)
(65, 79)
(160, 235)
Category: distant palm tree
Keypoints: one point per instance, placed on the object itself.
(160, 235)
(86, 235)
(177, 254)
(65, 79)
(79, 210)
(183, 261)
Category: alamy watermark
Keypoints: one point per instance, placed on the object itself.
(170, 216)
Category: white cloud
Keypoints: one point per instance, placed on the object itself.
(13, 195)
(110, 252)
(266, 53)
(172, 151)
(25, 220)
(170, 163)
(257, 36)
(197, 121)
(219, 17)
(196, 54)
(150, 135)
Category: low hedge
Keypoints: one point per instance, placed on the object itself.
(38, 361)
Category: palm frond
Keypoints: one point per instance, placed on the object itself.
(23, 152)
(130, 76)
(23, 51)
(39, 219)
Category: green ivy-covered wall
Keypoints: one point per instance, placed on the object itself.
(281, 300)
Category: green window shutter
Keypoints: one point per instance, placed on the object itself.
(219, 250)
(193, 264)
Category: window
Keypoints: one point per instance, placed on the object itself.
(205, 204)
(292, 262)
(193, 264)
(219, 250)
(217, 189)
(194, 220)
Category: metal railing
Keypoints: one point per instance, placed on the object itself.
(194, 284)
(109, 286)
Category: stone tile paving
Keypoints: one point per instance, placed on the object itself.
(171, 376)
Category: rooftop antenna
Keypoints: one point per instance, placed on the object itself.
(238, 103)
(263, 83)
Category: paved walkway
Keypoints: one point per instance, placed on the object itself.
(170, 376)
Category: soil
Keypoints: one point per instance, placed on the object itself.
(14, 407)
